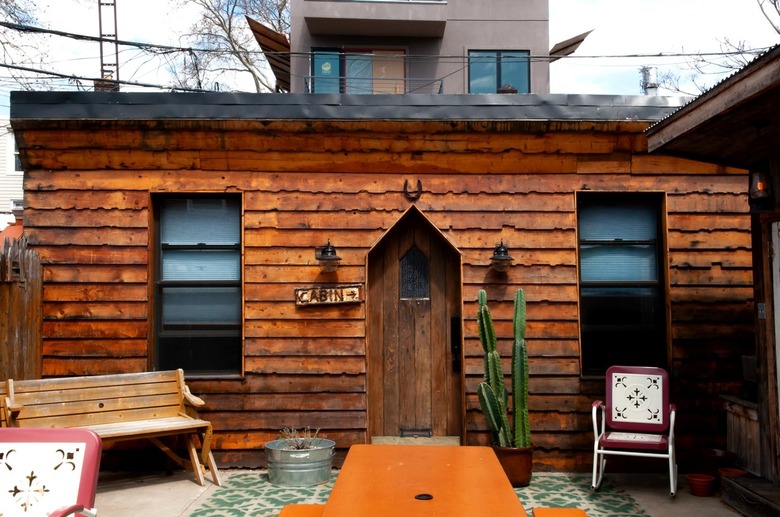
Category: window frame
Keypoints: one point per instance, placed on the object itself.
(215, 332)
(656, 331)
(498, 55)
(343, 55)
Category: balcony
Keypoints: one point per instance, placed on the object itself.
(397, 18)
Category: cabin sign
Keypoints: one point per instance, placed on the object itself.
(330, 295)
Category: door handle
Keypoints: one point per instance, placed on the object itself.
(455, 343)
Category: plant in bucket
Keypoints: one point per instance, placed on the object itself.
(299, 457)
(511, 430)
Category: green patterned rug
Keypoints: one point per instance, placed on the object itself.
(249, 493)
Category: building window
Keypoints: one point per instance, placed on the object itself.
(489, 70)
(358, 71)
(198, 284)
(17, 159)
(621, 274)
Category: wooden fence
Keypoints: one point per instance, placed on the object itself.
(20, 311)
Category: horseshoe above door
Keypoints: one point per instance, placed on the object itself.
(412, 196)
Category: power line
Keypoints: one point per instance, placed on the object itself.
(152, 46)
(162, 50)
(93, 79)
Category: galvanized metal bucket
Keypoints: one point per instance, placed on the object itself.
(299, 467)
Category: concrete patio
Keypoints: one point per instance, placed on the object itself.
(159, 495)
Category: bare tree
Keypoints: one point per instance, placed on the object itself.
(771, 11)
(224, 48)
(20, 50)
(732, 57)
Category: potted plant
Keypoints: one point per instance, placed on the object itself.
(299, 457)
(511, 430)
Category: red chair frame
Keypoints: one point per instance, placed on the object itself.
(48, 471)
(637, 419)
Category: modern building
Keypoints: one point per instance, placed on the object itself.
(428, 46)
(11, 176)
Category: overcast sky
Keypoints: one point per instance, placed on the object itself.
(629, 27)
(620, 28)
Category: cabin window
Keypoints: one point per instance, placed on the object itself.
(489, 70)
(622, 315)
(198, 284)
(358, 71)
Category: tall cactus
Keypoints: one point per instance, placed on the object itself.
(492, 393)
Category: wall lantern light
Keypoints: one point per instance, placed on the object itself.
(759, 185)
(500, 261)
(327, 257)
(760, 191)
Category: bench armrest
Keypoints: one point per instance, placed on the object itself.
(191, 399)
(12, 407)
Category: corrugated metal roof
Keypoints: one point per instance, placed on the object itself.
(274, 106)
(737, 122)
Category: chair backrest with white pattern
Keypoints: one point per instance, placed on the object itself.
(637, 399)
(45, 469)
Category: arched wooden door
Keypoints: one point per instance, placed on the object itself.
(414, 332)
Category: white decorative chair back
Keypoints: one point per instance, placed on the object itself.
(45, 470)
(638, 399)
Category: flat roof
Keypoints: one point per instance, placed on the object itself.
(283, 106)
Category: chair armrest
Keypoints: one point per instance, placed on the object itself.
(597, 404)
(191, 399)
(67, 510)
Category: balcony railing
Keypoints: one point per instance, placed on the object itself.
(373, 85)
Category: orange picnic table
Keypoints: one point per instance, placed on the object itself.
(419, 480)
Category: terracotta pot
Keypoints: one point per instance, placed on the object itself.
(517, 463)
(701, 484)
(731, 472)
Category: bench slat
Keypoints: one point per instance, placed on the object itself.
(97, 381)
(157, 427)
(62, 393)
(94, 418)
(165, 405)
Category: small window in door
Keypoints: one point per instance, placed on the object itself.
(415, 283)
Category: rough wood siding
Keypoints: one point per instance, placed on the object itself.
(21, 286)
(88, 194)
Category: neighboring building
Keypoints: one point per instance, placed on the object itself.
(11, 176)
(427, 46)
(185, 230)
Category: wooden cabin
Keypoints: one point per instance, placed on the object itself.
(190, 230)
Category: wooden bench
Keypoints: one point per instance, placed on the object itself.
(117, 407)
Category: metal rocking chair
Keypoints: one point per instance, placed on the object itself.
(48, 472)
(637, 419)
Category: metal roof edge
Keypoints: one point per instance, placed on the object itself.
(283, 106)
(738, 76)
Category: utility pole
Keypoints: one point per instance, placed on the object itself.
(109, 70)
(649, 82)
